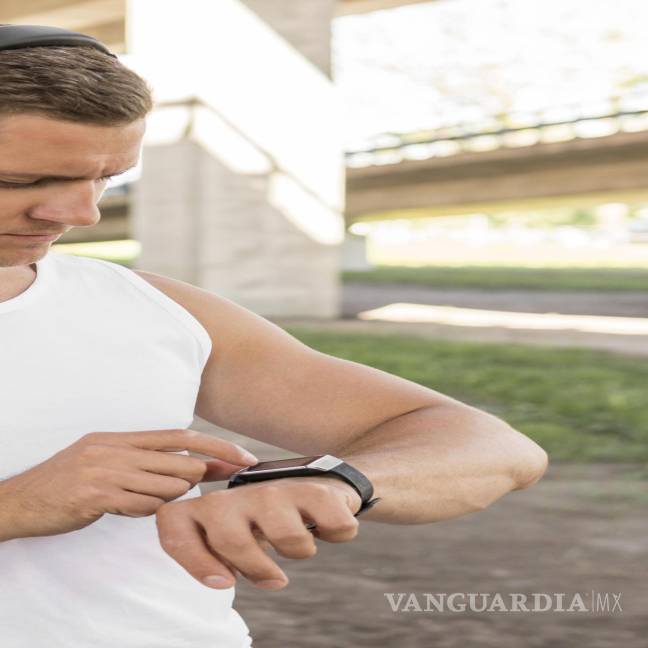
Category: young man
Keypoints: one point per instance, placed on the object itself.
(102, 369)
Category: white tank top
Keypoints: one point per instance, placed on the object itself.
(89, 347)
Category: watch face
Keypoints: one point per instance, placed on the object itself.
(281, 463)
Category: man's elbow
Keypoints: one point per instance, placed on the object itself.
(531, 462)
(521, 459)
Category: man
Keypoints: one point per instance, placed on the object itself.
(103, 368)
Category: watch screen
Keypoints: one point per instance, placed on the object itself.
(281, 463)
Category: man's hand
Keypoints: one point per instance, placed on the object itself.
(124, 473)
(224, 532)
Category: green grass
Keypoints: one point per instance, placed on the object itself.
(498, 277)
(579, 405)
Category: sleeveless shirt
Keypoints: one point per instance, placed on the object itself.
(90, 346)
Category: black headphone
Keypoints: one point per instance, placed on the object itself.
(19, 36)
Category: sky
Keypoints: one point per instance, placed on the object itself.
(459, 61)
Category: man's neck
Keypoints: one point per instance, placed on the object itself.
(14, 281)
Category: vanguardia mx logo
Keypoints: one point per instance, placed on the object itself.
(593, 602)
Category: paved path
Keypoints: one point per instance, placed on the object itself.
(362, 297)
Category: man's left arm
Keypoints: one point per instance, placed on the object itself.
(442, 461)
(429, 456)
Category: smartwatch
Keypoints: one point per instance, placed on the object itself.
(308, 467)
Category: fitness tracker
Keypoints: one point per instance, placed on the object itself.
(308, 466)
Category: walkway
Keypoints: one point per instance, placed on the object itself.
(359, 298)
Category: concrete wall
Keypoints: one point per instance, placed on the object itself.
(305, 25)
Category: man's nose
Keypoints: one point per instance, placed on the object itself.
(71, 203)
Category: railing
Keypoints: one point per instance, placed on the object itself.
(625, 113)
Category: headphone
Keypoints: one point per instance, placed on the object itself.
(19, 36)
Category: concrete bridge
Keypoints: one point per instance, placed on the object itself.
(519, 167)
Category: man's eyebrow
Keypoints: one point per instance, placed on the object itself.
(45, 176)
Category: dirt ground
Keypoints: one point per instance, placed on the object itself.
(576, 531)
(581, 530)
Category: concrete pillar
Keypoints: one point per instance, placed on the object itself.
(242, 190)
(354, 253)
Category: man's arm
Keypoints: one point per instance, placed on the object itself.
(441, 462)
(429, 456)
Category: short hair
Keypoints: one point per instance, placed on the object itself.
(71, 83)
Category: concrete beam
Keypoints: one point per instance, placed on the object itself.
(112, 34)
(62, 13)
(306, 26)
(102, 19)
(610, 164)
(349, 7)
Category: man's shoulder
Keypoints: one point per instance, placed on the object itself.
(172, 288)
(226, 321)
(195, 300)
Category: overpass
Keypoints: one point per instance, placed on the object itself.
(586, 160)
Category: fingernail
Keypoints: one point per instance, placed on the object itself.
(271, 584)
(215, 581)
(248, 456)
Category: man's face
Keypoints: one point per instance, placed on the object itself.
(34, 148)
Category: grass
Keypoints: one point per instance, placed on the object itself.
(579, 405)
(498, 277)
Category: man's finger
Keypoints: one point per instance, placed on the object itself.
(285, 530)
(182, 538)
(333, 521)
(179, 440)
(218, 470)
(237, 544)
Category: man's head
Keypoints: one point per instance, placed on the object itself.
(68, 111)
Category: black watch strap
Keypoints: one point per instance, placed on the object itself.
(367, 505)
(355, 478)
(328, 465)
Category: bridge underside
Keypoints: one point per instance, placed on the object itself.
(586, 170)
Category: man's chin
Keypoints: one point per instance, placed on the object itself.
(25, 257)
